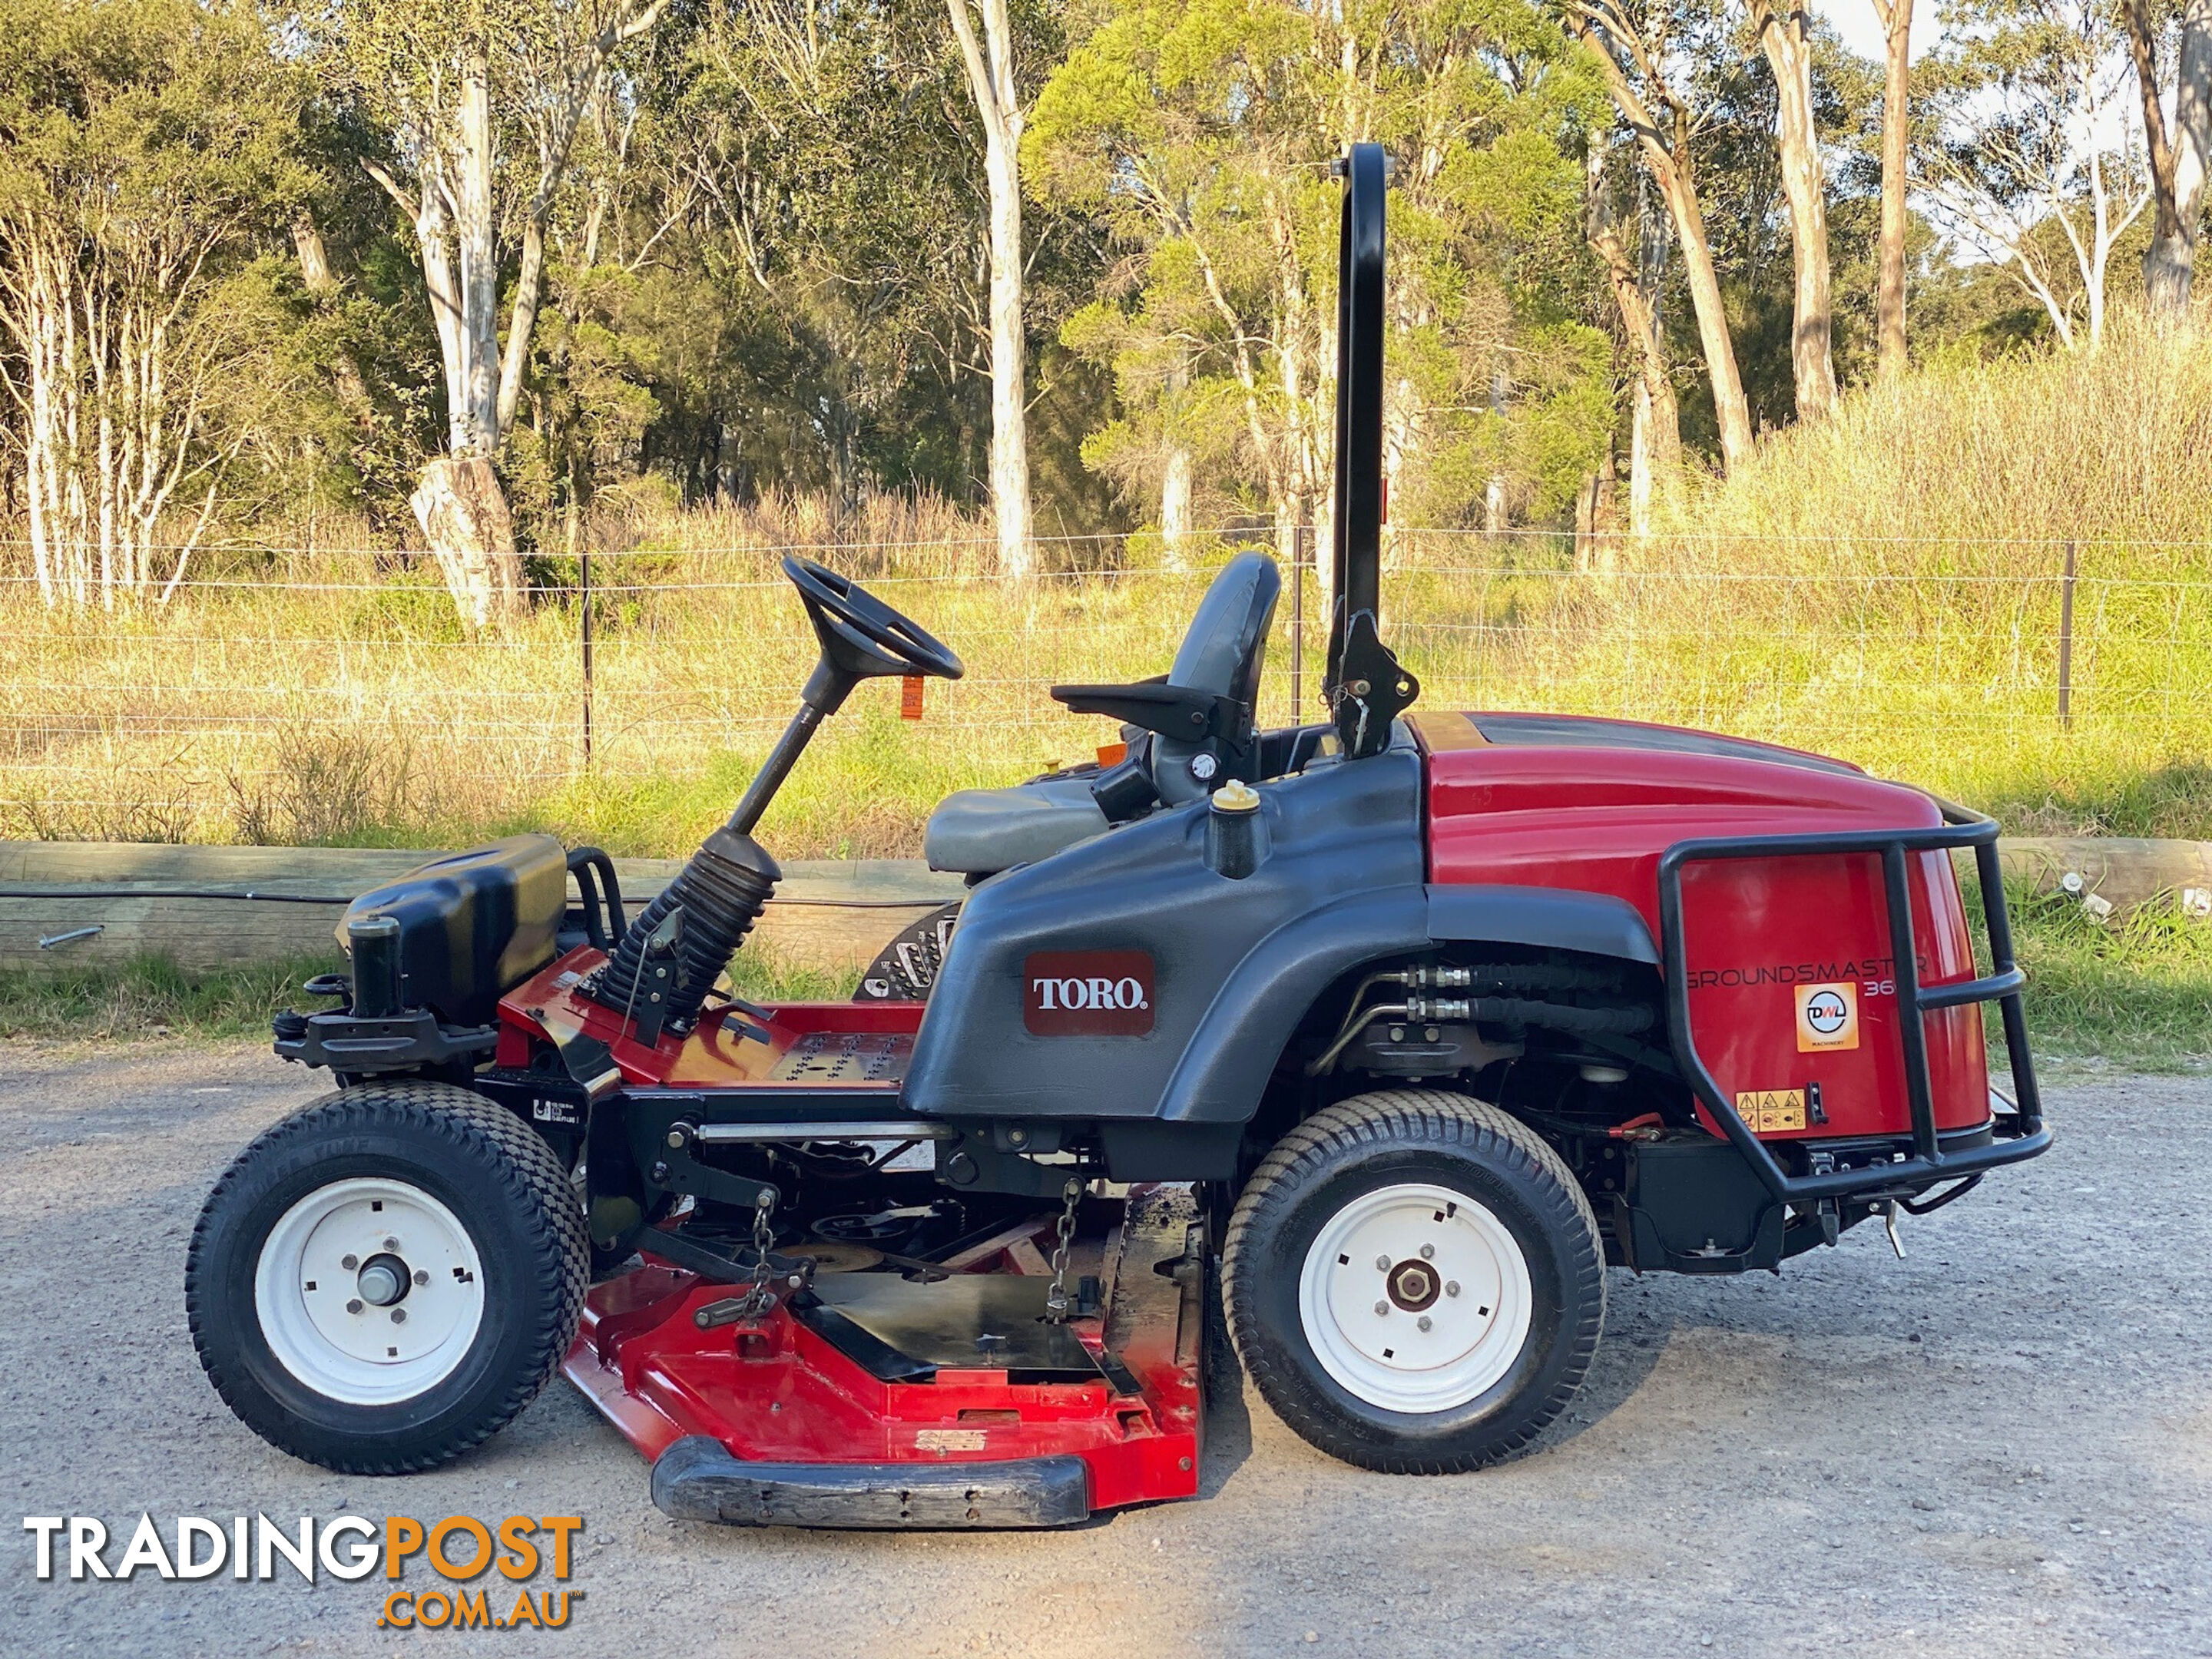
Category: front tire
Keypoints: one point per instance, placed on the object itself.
(387, 1277)
(1414, 1280)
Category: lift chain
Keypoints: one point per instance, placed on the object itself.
(1055, 1299)
(758, 1299)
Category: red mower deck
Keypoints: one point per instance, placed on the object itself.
(813, 1419)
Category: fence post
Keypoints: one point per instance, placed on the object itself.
(2066, 643)
(584, 566)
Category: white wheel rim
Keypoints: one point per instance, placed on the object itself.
(1471, 1288)
(331, 1325)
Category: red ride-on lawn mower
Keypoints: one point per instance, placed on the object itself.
(1421, 1023)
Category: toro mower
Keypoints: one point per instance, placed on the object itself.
(1402, 1028)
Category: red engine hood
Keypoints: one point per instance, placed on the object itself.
(1591, 805)
(1558, 800)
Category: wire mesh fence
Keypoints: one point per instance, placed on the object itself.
(289, 694)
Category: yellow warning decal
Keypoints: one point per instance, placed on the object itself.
(1768, 1111)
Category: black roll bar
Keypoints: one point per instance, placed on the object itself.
(2023, 1137)
(1356, 551)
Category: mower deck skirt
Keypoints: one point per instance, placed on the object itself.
(697, 1480)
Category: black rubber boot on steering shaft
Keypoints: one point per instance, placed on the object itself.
(723, 889)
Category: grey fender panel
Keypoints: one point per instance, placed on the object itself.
(1597, 924)
(1337, 832)
(1233, 1053)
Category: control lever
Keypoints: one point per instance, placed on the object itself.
(657, 980)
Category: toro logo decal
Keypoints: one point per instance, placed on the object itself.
(1087, 993)
(1828, 1015)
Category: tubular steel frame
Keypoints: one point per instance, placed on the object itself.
(2023, 1137)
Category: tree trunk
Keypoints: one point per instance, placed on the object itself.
(464, 518)
(1664, 138)
(320, 280)
(1640, 447)
(1604, 517)
(998, 104)
(475, 237)
(1896, 17)
(1174, 510)
(2192, 124)
(1636, 288)
(2177, 160)
(1784, 36)
(1729, 404)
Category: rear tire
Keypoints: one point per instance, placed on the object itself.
(1414, 1280)
(387, 1277)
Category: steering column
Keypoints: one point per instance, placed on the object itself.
(663, 965)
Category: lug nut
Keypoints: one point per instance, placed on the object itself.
(1381, 1264)
(1451, 1287)
(421, 1276)
(399, 1316)
(391, 1244)
(353, 1304)
(1424, 1323)
(1428, 1253)
(350, 1263)
(1380, 1307)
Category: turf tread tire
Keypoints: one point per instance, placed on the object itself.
(533, 1189)
(1401, 1120)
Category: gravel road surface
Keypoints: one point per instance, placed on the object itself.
(2000, 1445)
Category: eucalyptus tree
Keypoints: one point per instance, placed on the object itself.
(992, 82)
(1204, 134)
(2176, 151)
(2033, 163)
(147, 159)
(1649, 52)
(482, 103)
(1784, 31)
(1895, 17)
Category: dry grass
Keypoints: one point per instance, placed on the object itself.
(1885, 586)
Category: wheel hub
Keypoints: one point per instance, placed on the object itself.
(384, 1280)
(1415, 1286)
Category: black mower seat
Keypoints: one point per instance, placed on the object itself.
(982, 831)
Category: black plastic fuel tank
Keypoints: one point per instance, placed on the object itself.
(472, 924)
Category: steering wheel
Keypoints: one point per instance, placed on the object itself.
(860, 635)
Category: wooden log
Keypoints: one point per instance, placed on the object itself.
(213, 907)
(2123, 871)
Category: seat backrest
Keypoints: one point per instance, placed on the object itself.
(1223, 653)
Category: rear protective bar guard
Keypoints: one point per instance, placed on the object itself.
(2023, 1137)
